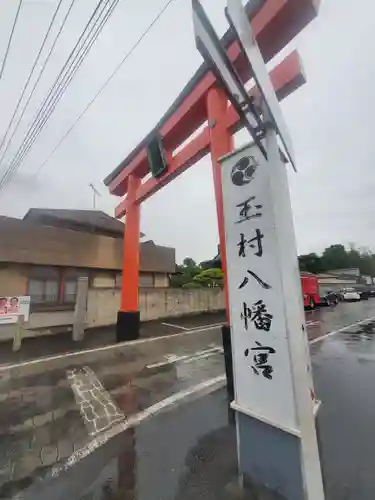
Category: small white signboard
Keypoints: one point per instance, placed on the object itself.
(237, 17)
(261, 358)
(13, 307)
(209, 45)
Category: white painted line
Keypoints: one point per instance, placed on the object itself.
(170, 359)
(343, 329)
(140, 341)
(198, 390)
(213, 325)
(207, 355)
(199, 327)
(48, 359)
(310, 323)
(175, 326)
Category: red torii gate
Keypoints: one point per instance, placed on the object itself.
(275, 24)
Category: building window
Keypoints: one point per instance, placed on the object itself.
(53, 286)
(70, 292)
(44, 285)
(69, 285)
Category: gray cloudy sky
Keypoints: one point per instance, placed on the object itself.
(330, 119)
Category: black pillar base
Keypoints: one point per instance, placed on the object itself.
(227, 346)
(128, 326)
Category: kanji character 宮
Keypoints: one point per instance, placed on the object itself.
(260, 360)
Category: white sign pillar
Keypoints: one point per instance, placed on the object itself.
(274, 396)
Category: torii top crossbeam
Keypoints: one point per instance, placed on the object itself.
(275, 23)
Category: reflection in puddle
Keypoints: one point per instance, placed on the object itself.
(360, 333)
(96, 406)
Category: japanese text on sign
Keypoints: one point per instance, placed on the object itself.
(250, 245)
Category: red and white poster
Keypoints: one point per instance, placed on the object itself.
(13, 307)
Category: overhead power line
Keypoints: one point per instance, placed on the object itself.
(118, 67)
(57, 93)
(36, 82)
(30, 74)
(10, 39)
(58, 88)
(46, 100)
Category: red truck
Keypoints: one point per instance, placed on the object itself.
(310, 290)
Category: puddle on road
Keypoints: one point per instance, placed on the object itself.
(360, 333)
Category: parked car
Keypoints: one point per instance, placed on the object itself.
(364, 294)
(350, 294)
(371, 293)
(329, 299)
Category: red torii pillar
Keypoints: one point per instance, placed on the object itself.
(128, 317)
(221, 143)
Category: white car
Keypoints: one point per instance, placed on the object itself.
(350, 294)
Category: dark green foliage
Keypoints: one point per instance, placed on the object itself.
(339, 257)
(191, 275)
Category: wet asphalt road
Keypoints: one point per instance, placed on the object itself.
(45, 416)
(344, 376)
(57, 344)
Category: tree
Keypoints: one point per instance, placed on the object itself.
(310, 262)
(354, 256)
(185, 273)
(192, 284)
(210, 278)
(189, 262)
(335, 257)
(338, 257)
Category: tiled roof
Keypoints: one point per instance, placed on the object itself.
(81, 220)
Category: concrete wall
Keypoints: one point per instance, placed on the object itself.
(104, 280)
(41, 323)
(154, 304)
(103, 304)
(161, 280)
(102, 307)
(326, 284)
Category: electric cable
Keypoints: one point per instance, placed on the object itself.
(10, 38)
(91, 102)
(31, 73)
(36, 82)
(55, 93)
(126, 56)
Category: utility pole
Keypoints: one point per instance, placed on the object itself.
(95, 193)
